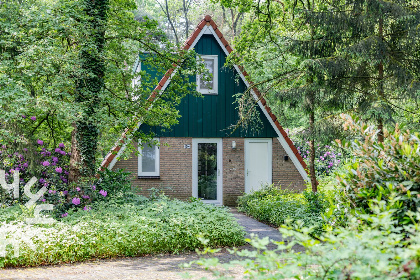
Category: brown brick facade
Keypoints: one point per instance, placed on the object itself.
(176, 169)
(285, 173)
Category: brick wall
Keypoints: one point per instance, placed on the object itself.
(233, 170)
(176, 169)
(285, 172)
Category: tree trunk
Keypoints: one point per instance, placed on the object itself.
(312, 152)
(75, 159)
(381, 85)
(88, 88)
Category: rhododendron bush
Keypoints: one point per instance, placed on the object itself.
(50, 168)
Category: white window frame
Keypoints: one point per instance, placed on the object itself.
(215, 88)
(157, 161)
(136, 81)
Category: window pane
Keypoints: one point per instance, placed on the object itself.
(148, 158)
(204, 83)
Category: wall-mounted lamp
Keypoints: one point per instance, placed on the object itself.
(286, 158)
(233, 145)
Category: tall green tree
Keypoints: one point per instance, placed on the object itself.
(69, 64)
(281, 50)
(323, 58)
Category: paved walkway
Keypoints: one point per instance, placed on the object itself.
(148, 268)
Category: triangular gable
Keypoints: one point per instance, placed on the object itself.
(208, 26)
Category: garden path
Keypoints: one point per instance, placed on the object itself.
(149, 267)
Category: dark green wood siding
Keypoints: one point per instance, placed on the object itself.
(212, 115)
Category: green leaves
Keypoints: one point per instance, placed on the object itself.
(115, 229)
(380, 170)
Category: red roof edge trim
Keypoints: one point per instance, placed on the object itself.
(207, 19)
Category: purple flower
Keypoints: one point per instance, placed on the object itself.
(50, 191)
(86, 208)
(42, 180)
(45, 163)
(59, 170)
(54, 163)
(339, 154)
(43, 200)
(54, 159)
(75, 201)
(61, 145)
(66, 172)
(48, 153)
(64, 180)
(63, 153)
(57, 150)
(78, 189)
(25, 149)
(64, 215)
(65, 192)
(102, 192)
(40, 142)
(93, 187)
(23, 116)
(33, 118)
(85, 196)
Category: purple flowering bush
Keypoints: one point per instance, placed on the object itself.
(50, 167)
(327, 158)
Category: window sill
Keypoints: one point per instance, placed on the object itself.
(148, 177)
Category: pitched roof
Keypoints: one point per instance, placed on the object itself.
(208, 26)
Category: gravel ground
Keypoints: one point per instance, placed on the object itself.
(149, 267)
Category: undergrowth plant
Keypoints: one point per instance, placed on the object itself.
(274, 205)
(113, 229)
(382, 168)
(371, 246)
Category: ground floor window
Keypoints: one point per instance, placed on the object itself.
(149, 158)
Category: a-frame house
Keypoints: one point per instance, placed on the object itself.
(202, 158)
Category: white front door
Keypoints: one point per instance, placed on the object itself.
(258, 164)
(207, 169)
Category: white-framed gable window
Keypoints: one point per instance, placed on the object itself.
(207, 82)
(149, 158)
(137, 80)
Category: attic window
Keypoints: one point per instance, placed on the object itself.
(207, 82)
(136, 80)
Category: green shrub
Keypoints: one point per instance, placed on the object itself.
(114, 181)
(112, 229)
(379, 169)
(372, 246)
(275, 206)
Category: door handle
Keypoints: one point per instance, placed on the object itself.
(218, 172)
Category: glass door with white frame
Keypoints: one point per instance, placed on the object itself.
(207, 170)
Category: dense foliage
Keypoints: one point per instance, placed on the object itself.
(379, 170)
(275, 206)
(372, 246)
(126, 225)
(68, 64)
(50, 168)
